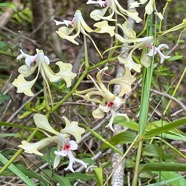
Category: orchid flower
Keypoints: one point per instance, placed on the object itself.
(66, 150)
(115, 7)
(154, 50)
(40, 61)
(108, 102)
(80, 26)
(77, 24)
(139, 43)
(59, 138)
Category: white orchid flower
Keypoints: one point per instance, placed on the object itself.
(139, 43)
(59, 138)
(40, 61)
(154, 50)
(79, 25)
(115, 8)
(108, 102)
(67, 147)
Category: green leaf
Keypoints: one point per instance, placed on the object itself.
(153, 150)
(9, 5)
(3, 98)
(62, 180)
(170, 178)
(16, 171)
(4, 135)
(162, 166)
(174, 58)
(165, 128)
(123, 122)
(121, 138)
(99, 175)
(15, 126)
(78, 175)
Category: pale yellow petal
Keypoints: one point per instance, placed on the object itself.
(66, 73)
(125, 82)
(41, 122)
(103, 27)
(145, 59)
(73, 129)
(149, 7)
(98, 113)
(27, 71)
(129, 63)
(24, 86)
(35, 147)
(64, 33)
(98, 14)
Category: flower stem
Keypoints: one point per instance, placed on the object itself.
(144, 108)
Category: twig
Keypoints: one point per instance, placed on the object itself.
(22, 106)
(170, 97)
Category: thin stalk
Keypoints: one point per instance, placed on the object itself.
(45, 96)
(163, 13)
(175, 90)
(144, 108)
(17, 153)
(78, 82)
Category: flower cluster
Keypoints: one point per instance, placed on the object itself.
(65, 146)
(108, 102)
(41, 62)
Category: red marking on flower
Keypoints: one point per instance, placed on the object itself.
(110, 104)
(66, 147)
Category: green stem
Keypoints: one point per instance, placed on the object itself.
(78, 82)
(163, 13)
(17, 153)
(144, 108)
(173, 94)
(103, 62)
(138, 158)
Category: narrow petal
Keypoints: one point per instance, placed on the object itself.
(64, 22)
(56, 161)
(101, 3)
(41, 122)
(111, 122)
(35, 147)
(47, 72)
(72, 160)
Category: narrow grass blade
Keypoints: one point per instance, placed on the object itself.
(16, 171)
